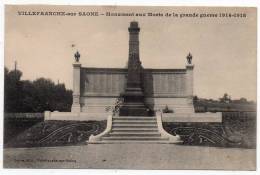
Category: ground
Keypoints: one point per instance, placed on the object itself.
(62, 144)
(131, 156)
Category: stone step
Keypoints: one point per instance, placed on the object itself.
(142, 138)
(135, 129)
(135, 134)
(131, 142)
(134, 122)
(134, 125)
(133, 118)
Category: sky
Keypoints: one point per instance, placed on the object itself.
(223, 49)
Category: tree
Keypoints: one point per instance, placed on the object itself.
(243, 100)
(12, 90)
(226, 98)
(34, 96)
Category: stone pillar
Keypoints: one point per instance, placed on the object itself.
(133, 104)
(189, 80)
(76, 87)
(134, 38)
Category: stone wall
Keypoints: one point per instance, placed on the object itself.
(237, 129)
(101, 87)
(111, 82)
(102, 82)
(165, 82)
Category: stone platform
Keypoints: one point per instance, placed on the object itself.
(207, 117)
(166, 117)
(137, 129)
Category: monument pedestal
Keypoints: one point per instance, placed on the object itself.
(76, 107)
(133, 104)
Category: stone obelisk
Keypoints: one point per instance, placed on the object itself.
(133, 96)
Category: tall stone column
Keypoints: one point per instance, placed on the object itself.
(133, 104)
(189, 76)
(76, 85)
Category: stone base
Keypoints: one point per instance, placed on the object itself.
(207, 117)
(77, 116)
(75, 108)
(133, 104)
(129, 110)
(104, 104)
(176, 104)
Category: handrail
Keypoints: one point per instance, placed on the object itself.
(96, 138)
(164, 134)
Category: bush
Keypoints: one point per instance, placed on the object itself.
(167, 110)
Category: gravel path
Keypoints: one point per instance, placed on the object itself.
(131, 156)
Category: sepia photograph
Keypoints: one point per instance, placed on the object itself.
(130, 87)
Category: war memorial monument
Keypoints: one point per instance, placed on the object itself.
(162, 110)
(132, 99)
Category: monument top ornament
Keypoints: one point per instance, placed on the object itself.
(189, 58)
(134, 27)
(77, 56)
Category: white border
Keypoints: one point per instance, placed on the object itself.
(245, 3)
(140, 2)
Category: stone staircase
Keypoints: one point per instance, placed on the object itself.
(132, 129)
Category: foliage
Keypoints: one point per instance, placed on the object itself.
(226, 98)
(223, 104)
(52, 133)
(195, 99)
(34, 96)
(167, 110)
